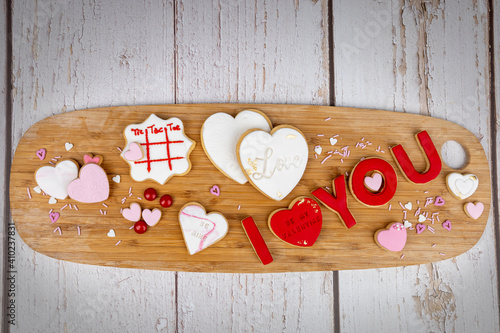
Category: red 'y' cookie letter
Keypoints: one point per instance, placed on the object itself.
(337, 203)
(431, 155)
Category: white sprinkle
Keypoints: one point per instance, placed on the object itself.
(54, 159)
(326, 119)
(239, 206)
(58, 157)
(132, 227)
(390, 206)
(105, 212)
(121, 210)
(320, 135)
(401, 205)
(105, 205)
(58, 229)
(78, 228)
(441, 253)
(63, 207)
(327, 188)
(29, 193)
(139, 198)
(130, 190)
(404, 213)
(101, 211)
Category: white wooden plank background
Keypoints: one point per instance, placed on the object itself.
(414, 56)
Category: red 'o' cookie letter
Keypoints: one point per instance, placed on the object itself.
(357, 185)
(434, 164)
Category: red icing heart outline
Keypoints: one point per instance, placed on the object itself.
(300, 224)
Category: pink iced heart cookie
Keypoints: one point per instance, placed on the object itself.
(54, 216)
(447, 225)
(420, 228)
(201, 230)
(215, 190)
(134, 152)
(89, 158)
(151, 217)
(92, 186)
(373, 183)
(393, 238)
(474, 210)
(40, 153)
(55, 180)
(133, 213)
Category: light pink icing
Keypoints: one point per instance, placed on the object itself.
(92, 186)
(374, 182)
(474, 210)
(134, 152)
(394, 238)
(151, 217)
(89, 159)
(133, 213)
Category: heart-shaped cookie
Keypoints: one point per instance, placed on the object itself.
(92, 186)
(299, 225)
(373, 182)
(393, 238)
(474, 210)
(462, 186)
(133, 213)
(199, 229)
(220, 134)
(273, 163)
(151, 217)
(134, 152)
(55, 180)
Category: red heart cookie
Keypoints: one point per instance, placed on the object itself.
(299, 225)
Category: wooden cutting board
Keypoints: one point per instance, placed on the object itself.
(365, 133)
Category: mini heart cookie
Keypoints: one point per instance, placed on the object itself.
(408, 205)
(462, 186)
(52, 201)
(447, 225)
(220, 134)
(68, 146)
(215, 190)
(407, 224)
(393, 238)
(421, 218)
(374, 183)
(133, 213)
(318, 150)
(40, 153)
(92, 185)
(439, 201)
(117, 179)
(37, 189)
(300, 224)
(273, 163)
(55, 180)
(420, 228)
(151, 217)
(111, 233)
(474, 210)
(89, 158)
(333, 141)
(54, 216)
(199, 229)
(134, 152)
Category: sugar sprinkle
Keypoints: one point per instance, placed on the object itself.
(29, 193)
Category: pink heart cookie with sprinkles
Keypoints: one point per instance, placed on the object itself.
(393, 238)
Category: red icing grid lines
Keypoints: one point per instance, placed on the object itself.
(167, 144)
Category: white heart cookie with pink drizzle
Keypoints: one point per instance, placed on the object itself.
(273, 163)
(55, 180)
(220, 134)
(164, 149)
(199, 229)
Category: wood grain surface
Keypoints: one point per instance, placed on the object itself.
(366, 133)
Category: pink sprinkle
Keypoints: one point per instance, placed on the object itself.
(58, 229)
(390, 206)
(130, 194)
(327, 188)
(378, 149)
(428, 201)
(63, 207)
(437, 217)
(70, 207)
(105, 205)
(431, 229)
(417, 212)
(403, 207)
(336, 135)
(101, 211)
(404, 213)
(426, 192)
(50, 211)
(118, 242)
(330, 152)
(105, 212)
(362, 139)
(58, 157)
(368, 143)
(433, 245)
(441, 253)
(324, 160)
(326, 119)
(78, 228)
(132, 227)
(119, 149)
(382, 151)
(342, 160)
(54, 159)
(402, 256)
(139, 198)
(316, 156)
(29, 193)
(239, 206)
(418, 202)
(75, 206)
(130, 190)
(50, 162)
(121, 210)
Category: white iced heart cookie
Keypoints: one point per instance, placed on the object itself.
(166, 149)
(220, 134)
(462, 186)
(199, 229)
(273, 163)
(55, 180)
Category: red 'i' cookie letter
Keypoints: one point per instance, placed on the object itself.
(434, 164)
(258, 243)
(338, 201)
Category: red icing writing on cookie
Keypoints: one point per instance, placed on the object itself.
(338, 201)
(258, 243)
(434, 164)
(357, 182)
(300, 225)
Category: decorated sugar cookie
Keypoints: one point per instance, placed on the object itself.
(220, 134)
(300, 225)
(474, 210)
(273, 163)
(255, 238)
(157, 149)
(92, 185)
(393, 238)
(462, 186)
(199, 229)
(55, 180)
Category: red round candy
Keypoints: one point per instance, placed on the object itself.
(150, 194)
(140, 227)
(166, 201)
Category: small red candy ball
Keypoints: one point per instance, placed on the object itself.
(166, 201)
(140, 227)
(150, 194)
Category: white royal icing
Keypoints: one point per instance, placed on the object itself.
(200, 230)
(462, 186)
(275, 163)
(55, 180)
(220, 135)
(164, 161)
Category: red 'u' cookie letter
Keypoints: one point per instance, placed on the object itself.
(357, 185)
(258, 243)
(337, 203)
(434, 164)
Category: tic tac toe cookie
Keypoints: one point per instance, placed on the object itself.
(220, 134)
(300, 225)
(55, 180)
(157, 149)
(462, 186)
(199, 229)
(92, 185)
(393, 238)
(273, 162)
